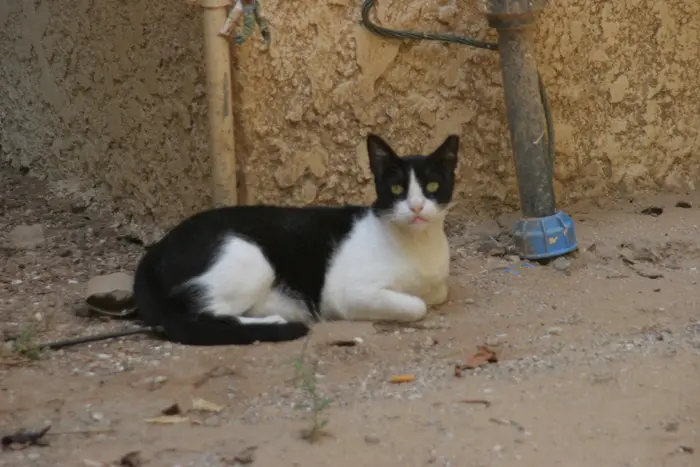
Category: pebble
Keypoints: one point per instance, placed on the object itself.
(369, 439)
(497, 264)
(497, 251)
(33, 456)
(488, 228)
(561, 264)
(27, 237)
(156, 382)
(214, 421)
(554, 331)
(496, 340)
(7, 348)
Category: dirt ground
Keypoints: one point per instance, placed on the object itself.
(599, 357)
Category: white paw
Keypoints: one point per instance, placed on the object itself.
(274, 319)
(415, 312)
(438, 295)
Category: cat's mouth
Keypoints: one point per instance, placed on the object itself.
(418, 220)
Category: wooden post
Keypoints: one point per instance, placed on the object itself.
(222, 139)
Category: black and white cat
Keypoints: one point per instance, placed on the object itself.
(236, 275)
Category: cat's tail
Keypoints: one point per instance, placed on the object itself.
(181, 323)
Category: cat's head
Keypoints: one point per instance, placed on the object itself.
(412, 191)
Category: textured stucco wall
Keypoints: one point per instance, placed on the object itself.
(110, 91)
(113, 90)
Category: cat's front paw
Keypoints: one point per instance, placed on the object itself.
(438, 295)
(414, 309)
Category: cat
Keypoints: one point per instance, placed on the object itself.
(240, 274)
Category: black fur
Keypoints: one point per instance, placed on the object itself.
(297, 241)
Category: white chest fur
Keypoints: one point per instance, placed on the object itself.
(379, 268)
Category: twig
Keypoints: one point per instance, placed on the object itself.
(502, 421)
(81, 432)
(484, 402)
(216, 372)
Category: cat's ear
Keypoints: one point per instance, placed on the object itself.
(381, 156)
(446, 154)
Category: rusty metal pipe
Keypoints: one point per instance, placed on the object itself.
(514, 20)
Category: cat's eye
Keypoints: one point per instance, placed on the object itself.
(432, 187)
(397, 189)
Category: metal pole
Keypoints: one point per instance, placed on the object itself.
(220, 96)
(514, 21)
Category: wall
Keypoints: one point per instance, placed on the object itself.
(109, 91)
(113, 91)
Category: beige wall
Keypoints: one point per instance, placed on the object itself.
(113, 91)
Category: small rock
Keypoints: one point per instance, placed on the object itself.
(648, 272)
(78, 207)
(111, 292)
(603, 251)
(369, 439)
(485, 245)
(82, 311)
(92, 463)
(497, 251)
(7, 348)
(156, 382)
(33, 456)
(214, 420)
(561, 264)
(515, 259)
(488, 228)
(27, 237)
(497, 340)
(554, 331)
(507, 220)
(654, 211)
(97, 416)
(247, 456)
(672, 427)
(497, 264)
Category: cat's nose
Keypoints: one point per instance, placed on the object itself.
(417, 209)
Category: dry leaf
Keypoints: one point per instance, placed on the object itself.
(483, 402)
(206, 406)
(167, 420)
(403, 378)
(172, 410)
(132, 459)
(483, 356)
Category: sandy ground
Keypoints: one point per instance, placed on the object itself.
(599, 361)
